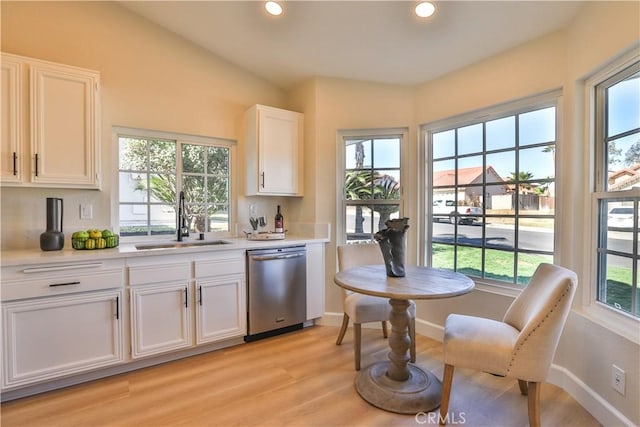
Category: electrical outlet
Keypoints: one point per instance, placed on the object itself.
(618, 379)
(86, 211)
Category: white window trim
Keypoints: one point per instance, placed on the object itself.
(487, 114)
(118, 131)
(341, 162)
(615, 321)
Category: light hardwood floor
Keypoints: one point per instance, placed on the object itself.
(298, 379)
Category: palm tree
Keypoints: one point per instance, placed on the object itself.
(518, 178)
(365, 184)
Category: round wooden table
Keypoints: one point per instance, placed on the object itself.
(396, 385)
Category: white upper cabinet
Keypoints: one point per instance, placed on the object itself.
(12, 94)
(274, 151)
(52, 132)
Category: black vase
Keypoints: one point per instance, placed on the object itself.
(392, 244)
(53, 238)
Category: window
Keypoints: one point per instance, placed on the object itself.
(491, 191)
(152, 172)
(371, 185)
(617, 189)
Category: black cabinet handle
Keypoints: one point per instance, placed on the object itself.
(186, 297)
(64, 284)
(118, 307)
(36, 164)
(200, 294)
(15, 164)
(262, 174)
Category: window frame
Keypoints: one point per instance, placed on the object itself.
(613, 319)
(341, 202)
(178, 138)
(551, 98)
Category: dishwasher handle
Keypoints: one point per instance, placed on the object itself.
(278, 256)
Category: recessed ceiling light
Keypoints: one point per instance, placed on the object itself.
(273, 8)
(425, 9)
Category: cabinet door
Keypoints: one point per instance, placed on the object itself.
(52, 337)
(280, 136)
(160, 319)
(221, 308)
(11, 93)
(64, 128)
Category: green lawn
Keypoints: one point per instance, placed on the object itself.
(499, 265)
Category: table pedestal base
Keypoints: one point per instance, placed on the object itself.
(421, 392)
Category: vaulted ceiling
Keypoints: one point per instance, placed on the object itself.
(378, 41)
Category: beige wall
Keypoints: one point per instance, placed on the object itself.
(342, 105)
(150, 79)
(600, 33)
(156, 80)
(533, 68)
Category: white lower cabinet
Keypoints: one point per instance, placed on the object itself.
(315, 280)
(46, 338)
(168, 302)
(160, 306)
(160, 319)
(221, 309)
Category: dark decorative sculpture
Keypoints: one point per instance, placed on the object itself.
(392, 245)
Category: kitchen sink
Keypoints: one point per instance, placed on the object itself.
(174, 245)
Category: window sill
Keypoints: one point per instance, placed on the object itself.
(496, 289)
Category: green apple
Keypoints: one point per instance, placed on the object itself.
(80, 235)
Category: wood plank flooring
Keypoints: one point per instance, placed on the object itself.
(298, 379)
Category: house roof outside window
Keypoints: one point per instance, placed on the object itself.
(466, 176)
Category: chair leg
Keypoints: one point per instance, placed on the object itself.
(384, 328)
(412, 337)
(447, 380)
(343, 329)
(356, 343)
(534, 404)
(524, 390)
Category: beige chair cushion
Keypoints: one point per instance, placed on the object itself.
(478, 343)
(365, 308)
(522, 346)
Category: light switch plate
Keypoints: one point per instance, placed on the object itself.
(86, 211)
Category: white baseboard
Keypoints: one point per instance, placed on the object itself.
(427, 329)
(603, 411)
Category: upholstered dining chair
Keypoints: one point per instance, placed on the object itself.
(521, 346)
(366, 308)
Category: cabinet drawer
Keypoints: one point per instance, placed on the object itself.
(146, 274)
(219, 267)
(47, 271)
(59, 284)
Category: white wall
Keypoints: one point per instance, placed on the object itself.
(559, 60)
(154, 79)
(150, 79)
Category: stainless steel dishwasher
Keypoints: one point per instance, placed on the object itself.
(277, 290)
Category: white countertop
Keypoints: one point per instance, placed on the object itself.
(125, 250)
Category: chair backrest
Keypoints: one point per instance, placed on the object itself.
(539, 313)
(358, 254)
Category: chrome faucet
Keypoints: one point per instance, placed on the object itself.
(183, 229)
